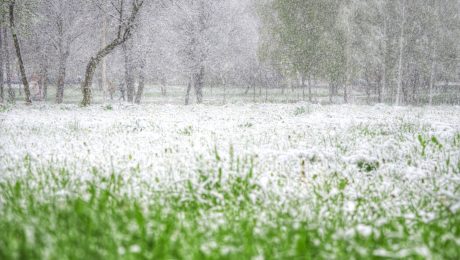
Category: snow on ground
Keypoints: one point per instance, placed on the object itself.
(382, 162)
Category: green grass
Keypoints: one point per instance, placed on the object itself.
(100, 222)
(353, 207)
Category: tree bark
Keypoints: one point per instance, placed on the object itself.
(187, 95)
(140, 89)
(129, 78)
(163, 86)
(198, 84)
(302, 82)
(254, 91)
(45, 80)
(345, 92)
(18, 54)
(224, 84)
(368, 87)
(331, 92)
(61, 76)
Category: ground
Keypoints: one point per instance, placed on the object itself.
(246, 181)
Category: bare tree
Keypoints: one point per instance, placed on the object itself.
(66, 25)
(18, 53)
(124, 32)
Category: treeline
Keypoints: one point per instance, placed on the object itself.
(116, 47)
(399, 50)
(393, 51)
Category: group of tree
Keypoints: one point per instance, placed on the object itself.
(398, 49)
(118, 45)
(395, 51)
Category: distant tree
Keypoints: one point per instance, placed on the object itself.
(17, 47)
(65, 23)
(125, 30)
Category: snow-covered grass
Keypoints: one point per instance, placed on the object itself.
(265, 181)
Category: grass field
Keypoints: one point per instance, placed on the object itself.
(235, 181)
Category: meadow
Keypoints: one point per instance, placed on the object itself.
(233, 181)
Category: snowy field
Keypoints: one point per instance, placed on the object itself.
(262, 181)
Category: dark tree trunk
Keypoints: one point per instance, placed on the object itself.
(187, 95)
(345, 93)
(44, 80)
(198, 84)
(123, 34)
(310, 94)
(11, 93)
(302, 83)
(368, 88)
(129, 77)
(224, 85)
(247, 89)
(18, 54)
(61, 76)
(140, 89)
(163, 86)
(91, 68)
(266, 93)
(331, 91)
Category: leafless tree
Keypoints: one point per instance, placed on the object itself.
(124, 32)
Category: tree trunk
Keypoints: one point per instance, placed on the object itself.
(310, 94)
(368, 88)
(2, 93)
(302, 83)
(224, 84)
(91, 68)
(187, 95)
(124, 33)
(140, 89)
(198, 84)
(61, 77)
(163, 86)
(11, 93)
(379, 89)
(18, 54)
(345, 92)
(45, 82)
(331, 92)
(401, 53)
(129, 78)
(254, 92)
(247, 89)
